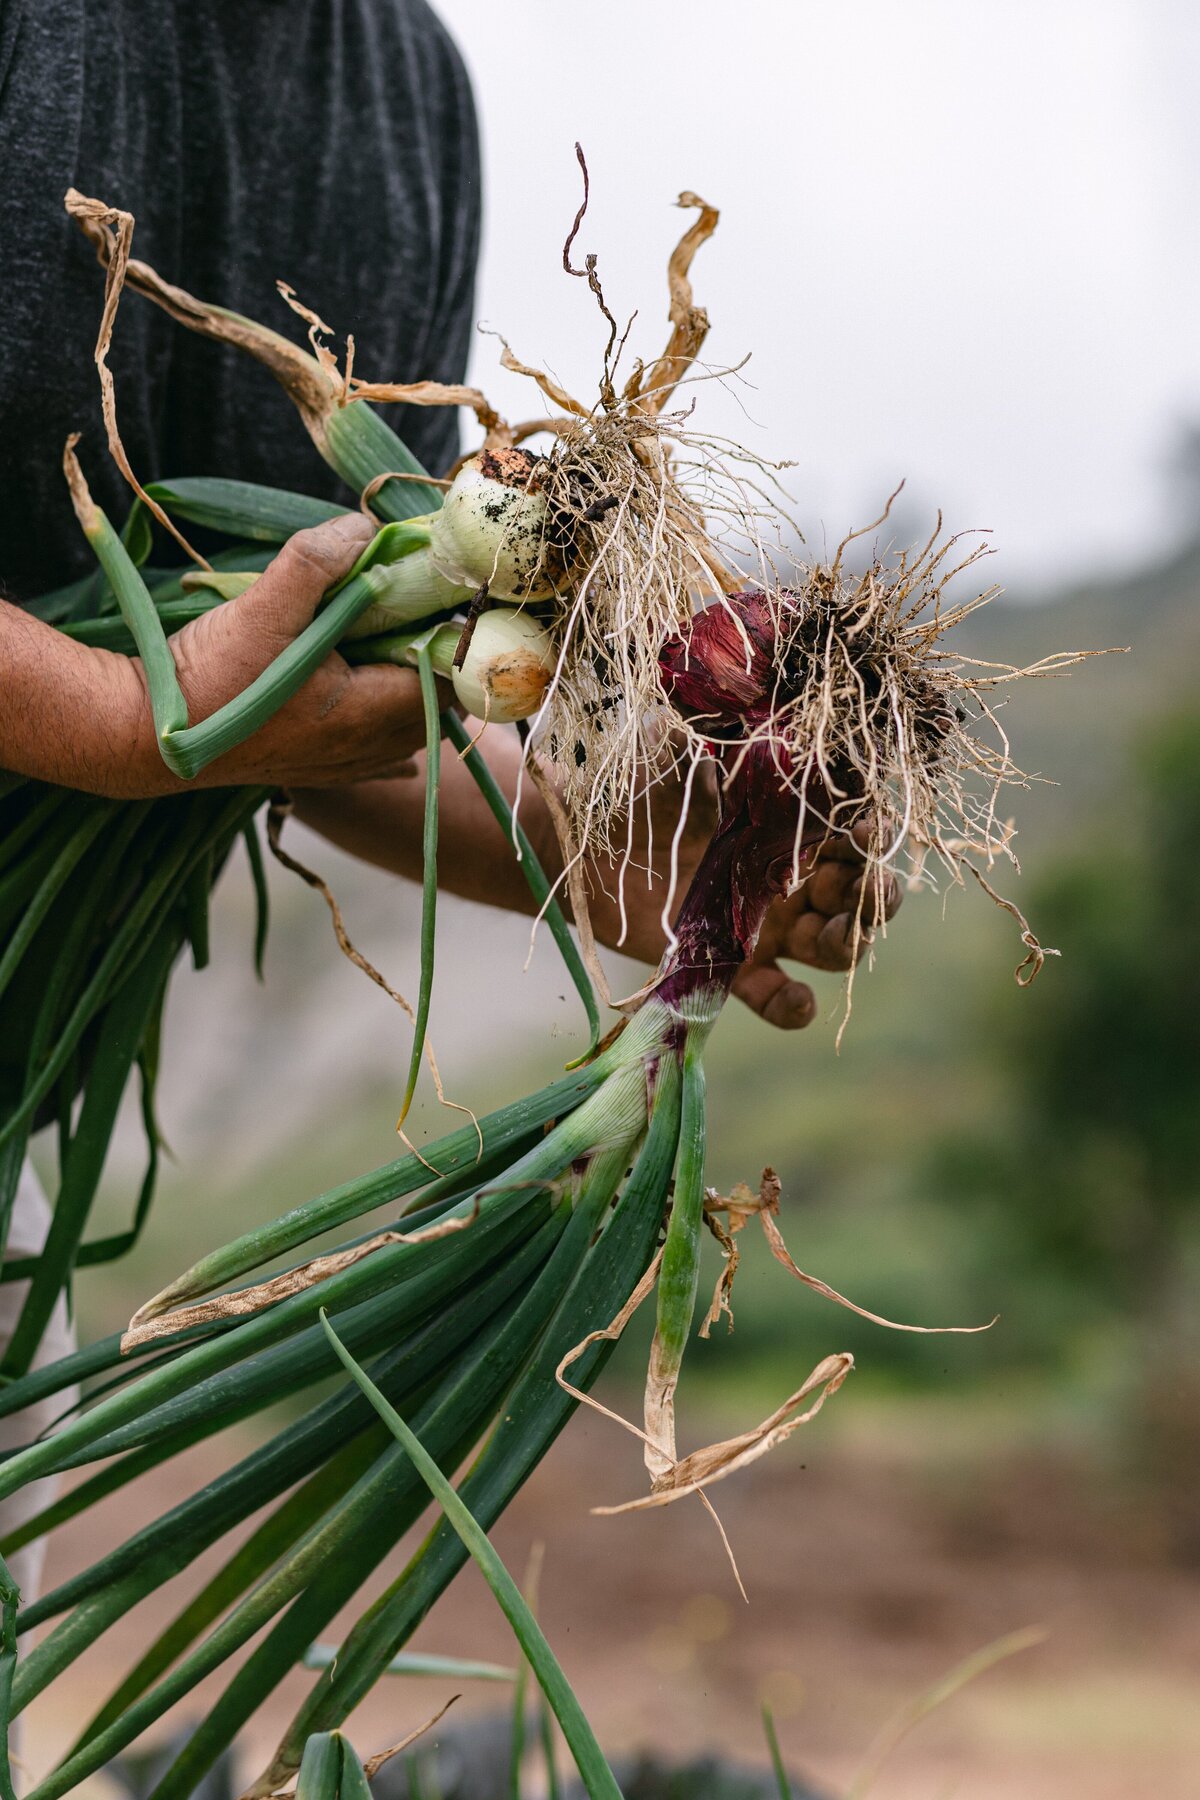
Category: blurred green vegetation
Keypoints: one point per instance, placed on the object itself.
(1092, 1152)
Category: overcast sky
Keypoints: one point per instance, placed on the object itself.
(961, 242)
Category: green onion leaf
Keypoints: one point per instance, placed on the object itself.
(594, 1771)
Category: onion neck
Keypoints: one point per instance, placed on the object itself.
(747, 865)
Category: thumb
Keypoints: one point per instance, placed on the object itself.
(288, 592)
(774, 996)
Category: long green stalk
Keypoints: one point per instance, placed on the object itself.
(10, 1596)
(293, 1452)
(116, 1050)
(679, 1276)
(475, 1396)
(532, 1416)
(777, 1764)
(127, 945)
(535, 876)
(57, 876)
(243, 509)
(98, 1611)
(138, 611)
(251, 1361)
(591, 1124)
(321, 1770)
(429, 879)
(53, 969)
(459, 1150)
(35, 807)
(361, 447)
(589, 1758)
(276, 1353)
(451, 1668)
(473, 1387)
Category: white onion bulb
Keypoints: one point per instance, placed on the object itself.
(492, 528)
(507, 667)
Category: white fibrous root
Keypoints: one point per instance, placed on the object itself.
(656, 527)
(632, 528)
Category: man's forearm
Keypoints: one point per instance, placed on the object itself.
(381, 821)
(69, 714)
(81, 717)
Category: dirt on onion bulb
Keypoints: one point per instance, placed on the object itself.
(493, 528)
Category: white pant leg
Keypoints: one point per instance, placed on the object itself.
(27, 1234)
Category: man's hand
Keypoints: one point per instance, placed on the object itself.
(81, 717)
(816, 925)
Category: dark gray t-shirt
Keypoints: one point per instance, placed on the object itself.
(330, 143)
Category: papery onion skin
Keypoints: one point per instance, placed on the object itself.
(722, 669)
(723, 673)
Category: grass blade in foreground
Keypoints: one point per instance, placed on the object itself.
(589, 1758)
(910, 1715)
(772, 1737)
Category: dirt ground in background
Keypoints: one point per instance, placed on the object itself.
(869, 1576)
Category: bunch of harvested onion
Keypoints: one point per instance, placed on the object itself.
(519, 1251)
(521, 1246)
(511, 584)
